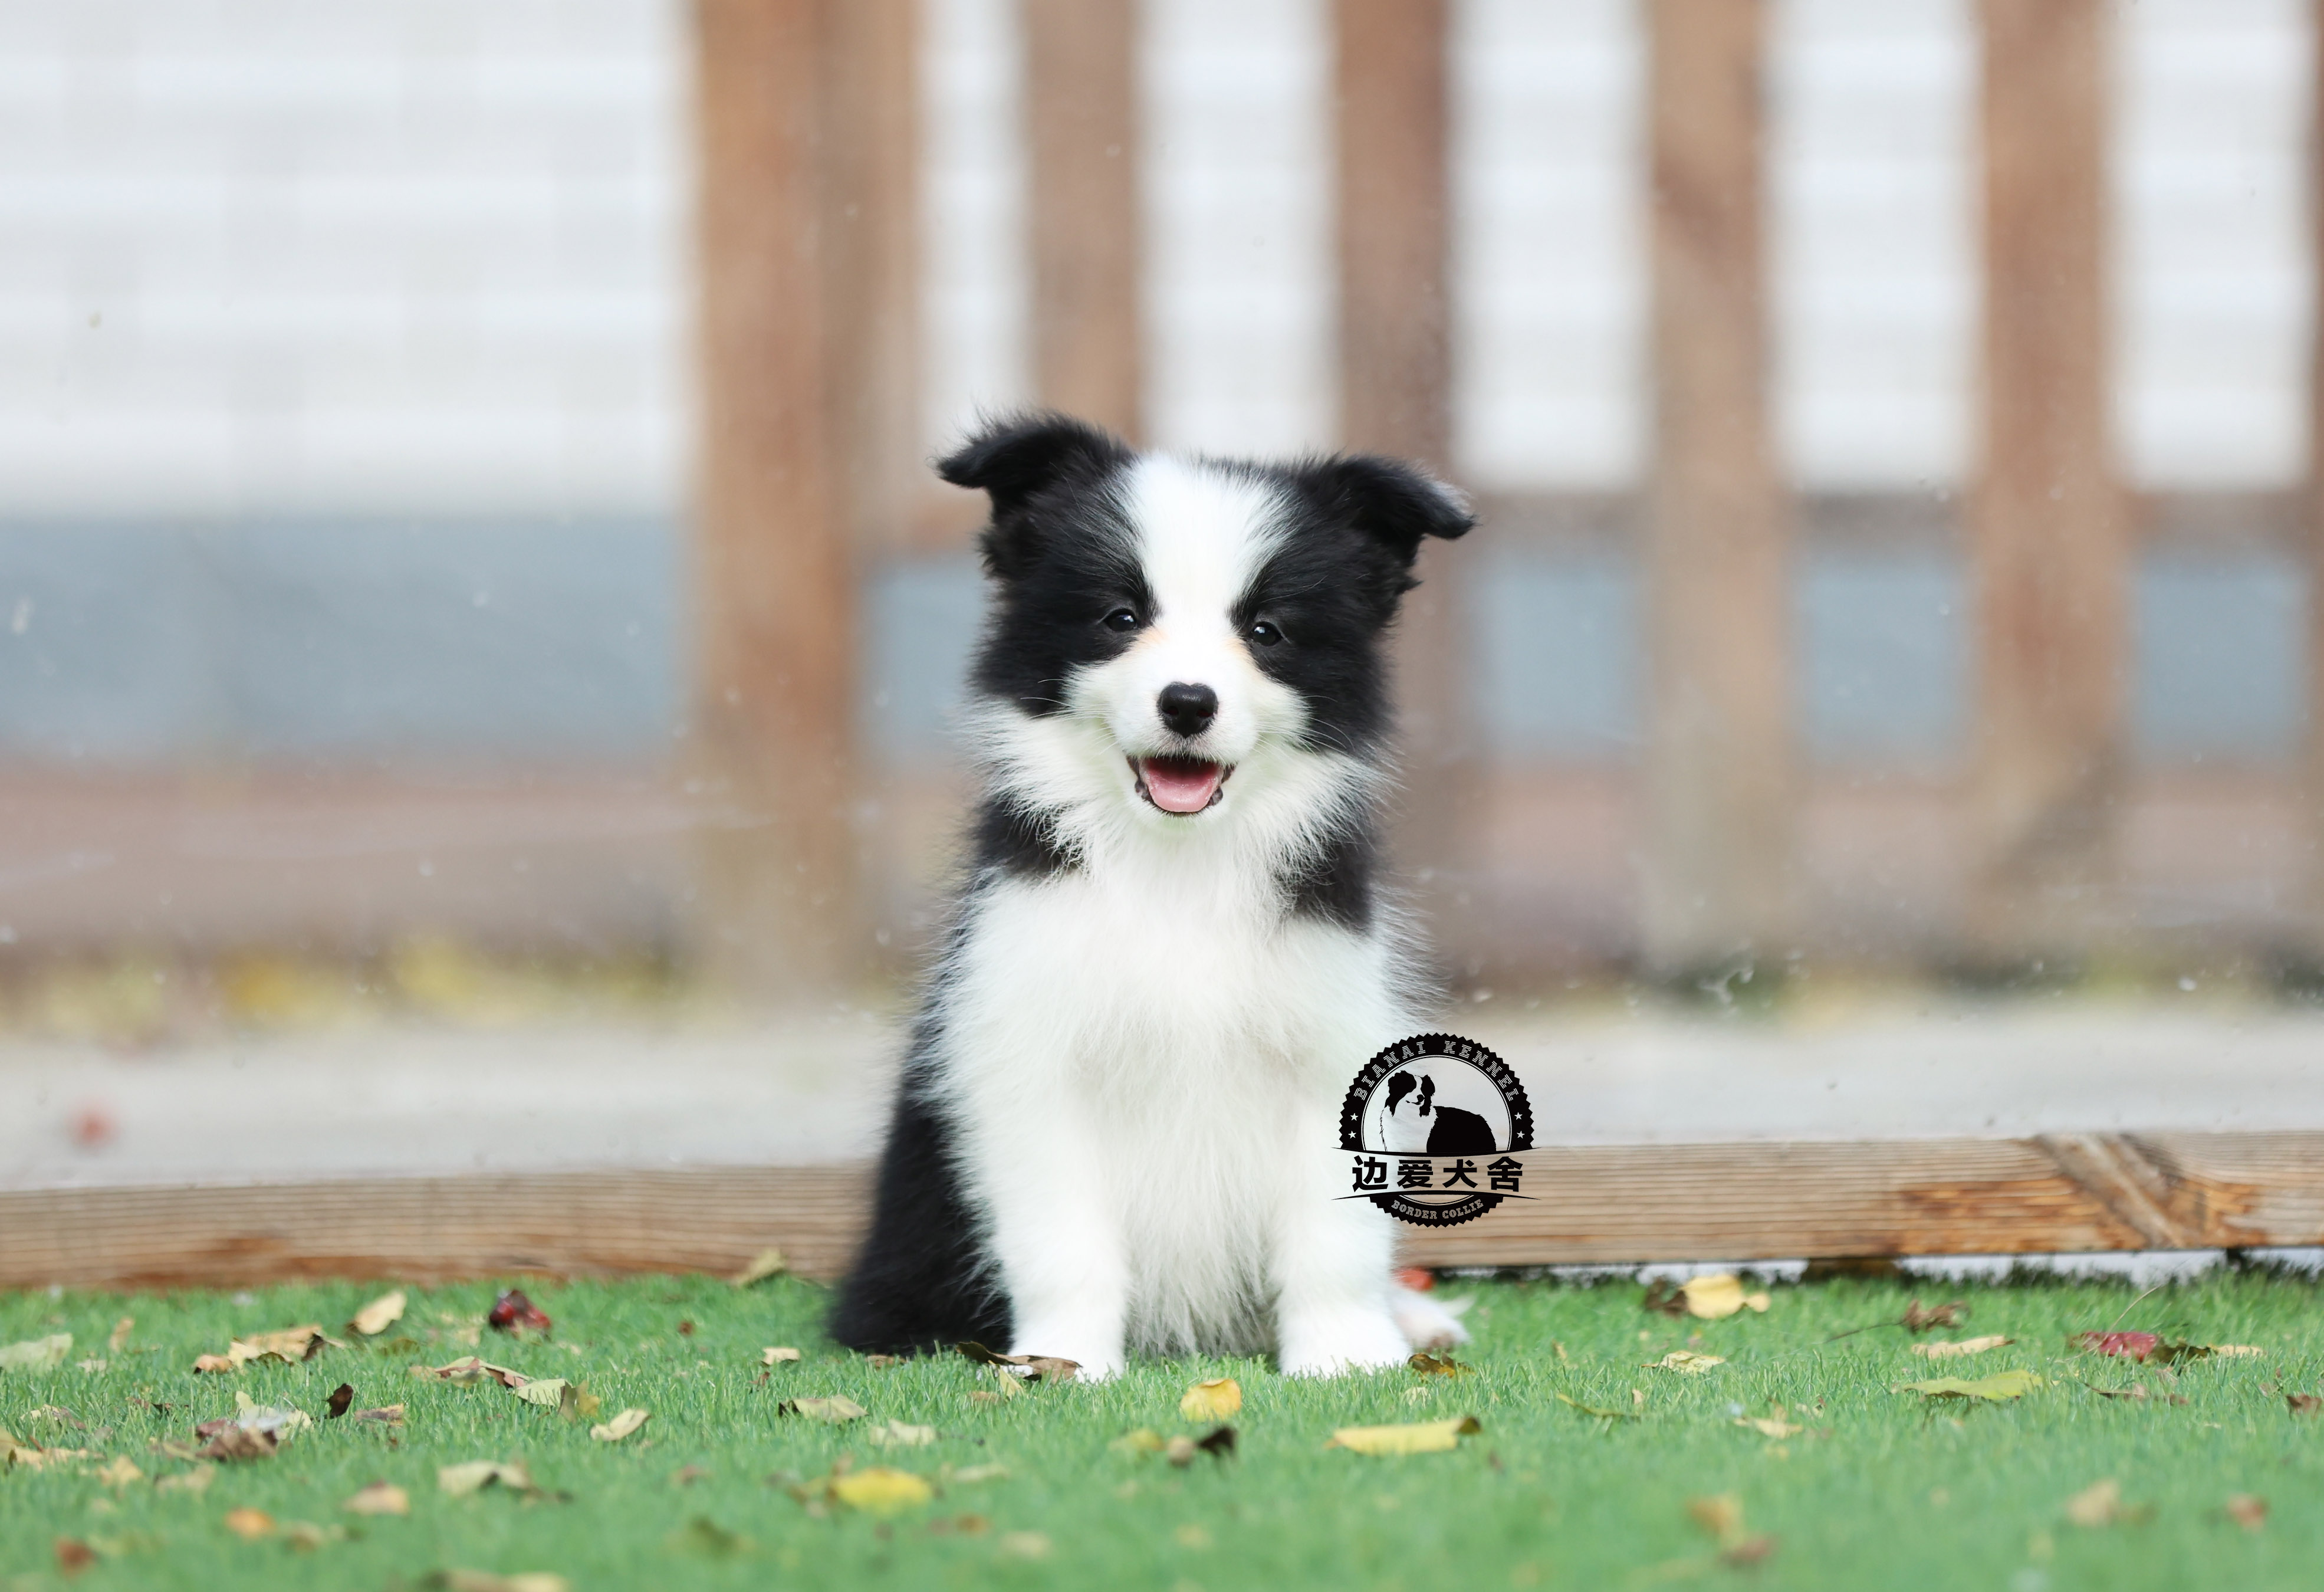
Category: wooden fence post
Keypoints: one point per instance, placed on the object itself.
(1719, 764)
(2048, 533)
(1081, 96)
(804, 124)
(1389, 102)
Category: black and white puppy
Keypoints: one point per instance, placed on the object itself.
(1117, 1128)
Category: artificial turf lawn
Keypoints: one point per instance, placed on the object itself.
(1883, 1490)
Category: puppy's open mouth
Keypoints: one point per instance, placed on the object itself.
(1182, 785)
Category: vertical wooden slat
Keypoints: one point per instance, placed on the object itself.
(1390, 100)
(803, 138)
(1719, 765)
(2314, 528)
(1081, 96)
(2048, 534)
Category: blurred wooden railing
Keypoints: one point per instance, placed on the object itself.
(809, 254)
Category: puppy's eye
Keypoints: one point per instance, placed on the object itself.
(1122, 619)
(1265, 633)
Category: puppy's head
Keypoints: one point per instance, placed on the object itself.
(1179, 632)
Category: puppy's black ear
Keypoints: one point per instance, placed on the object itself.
(1394, 504)
(1015, 458)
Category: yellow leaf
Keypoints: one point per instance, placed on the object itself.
(1214, 1399)
(378, 1316)
(460, 1480)
(2095, 1505)
(1423, 1437)
(1687, 1360)
(1144, 1441)
(290, 1345)
(878, 1490)
(837, 1408)
(895, 1434)
(2238, 1351)
(1712, 1298)
(379, 1498)
(1775, 1428)
(769, 1262)
(620, 1426)
(1967, 1346)
(1722, 1516)
(2001, 1384)
(250, 1524)
(36, 1353)
(775, 1354)
(119, 1340)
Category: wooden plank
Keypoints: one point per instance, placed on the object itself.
(2048, 531)
(1081, 97)
(1718, 766)
(1610, 1204)
(805, 136)
(2311, 537)
(1393, 208)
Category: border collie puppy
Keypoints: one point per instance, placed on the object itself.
(1117, 1129)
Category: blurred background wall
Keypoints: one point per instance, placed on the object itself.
(351, 446)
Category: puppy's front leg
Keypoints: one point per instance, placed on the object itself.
(1331, 1265)
(1061, 1257)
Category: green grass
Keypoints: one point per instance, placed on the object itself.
(1884, 1490)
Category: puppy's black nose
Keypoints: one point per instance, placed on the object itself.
(1188, 709)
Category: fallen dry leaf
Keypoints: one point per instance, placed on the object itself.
(1179, 1451)
(1720, 1516)
(1686, 1360)
(1144, 1441)
(620, 1426)
(250, 1524)
(1022, 1545)
(880, 1490)
(1967, 1346)
(1219, 1442)
(1771, 1426)
(36, 1353)
(1423, 1437)
(971, 1475)
(305, 1536)
(470, 1370)
(1214, 1399)
(342, 1396)
(385, 1415)
(378, 1316)
(777, 1354)
(118, 1340)
(195, 1482)
(896, 1434)
(1718, 1296)
(836, 1409)
(2128, 1346)
(459, 1481)
(290, 1345)
(211, 1363)
(1750, 1550)
(1916, 1319)
(238, 1443)
(74, 1556)
(548, 1391)
(120, 1472)
(514, 1312)
(378, 1497)
(2101, 1504)
(1034, 1367)
(2238, 1351)
(2247, 1511)
(2304, 1403)
(769, 1262)
(1429, 1364)
(468, 1581)
(1593, 1410)
(2001, 1384)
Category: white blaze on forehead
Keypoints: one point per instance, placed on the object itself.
(1202, 537)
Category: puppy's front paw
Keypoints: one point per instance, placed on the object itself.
(1426, 1324)
(1353, 1340)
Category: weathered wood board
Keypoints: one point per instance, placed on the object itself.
(2107, 1191)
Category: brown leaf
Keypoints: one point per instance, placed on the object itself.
(74, 1556)
(1429, 1364)
(2128, 1346)
(290, 1345)
(1750, 1550)
(2247, 1511)
(1664, 1299)
(2304, 1403)
(1917, 1320)
(379, 1315)
(1219, 1443)
(341, 1397)
(514, 1312)
(240, 1442)
(470, 1369)
(459, 1481)
(1720, 1516)
(203, 1363)
(385, 1415)
(686, 1476)
(1037, 1367)
(836, 1409)
(250, 1524)
(1593, 1410)
(378, 1497)
(119, 1339)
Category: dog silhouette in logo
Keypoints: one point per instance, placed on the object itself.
(1453, 1131)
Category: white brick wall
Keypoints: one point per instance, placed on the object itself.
(420, 257)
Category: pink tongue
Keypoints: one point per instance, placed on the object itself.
(1180, 786)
